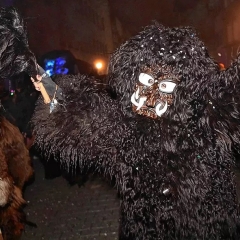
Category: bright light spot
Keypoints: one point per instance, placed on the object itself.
(219, 54)
(99, 65)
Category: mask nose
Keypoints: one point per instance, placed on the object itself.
(151, 94)
(150, 100)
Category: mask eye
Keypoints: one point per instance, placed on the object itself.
(166, 86)
(146, 79)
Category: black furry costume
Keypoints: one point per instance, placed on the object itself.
(194, 138)
(174, 173)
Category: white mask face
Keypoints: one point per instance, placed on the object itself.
(153, 95)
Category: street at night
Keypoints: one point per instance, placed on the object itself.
(62, 211)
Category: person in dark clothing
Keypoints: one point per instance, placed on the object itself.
(20, 105)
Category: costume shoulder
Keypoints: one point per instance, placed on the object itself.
(15, 57)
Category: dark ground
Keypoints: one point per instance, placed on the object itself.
(65, 212)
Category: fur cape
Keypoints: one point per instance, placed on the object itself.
(174, 174)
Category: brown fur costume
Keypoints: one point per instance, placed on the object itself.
(15, 170)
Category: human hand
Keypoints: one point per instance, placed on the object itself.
(37, 84)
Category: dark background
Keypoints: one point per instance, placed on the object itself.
(138, 13)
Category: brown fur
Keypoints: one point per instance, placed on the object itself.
(15, 170)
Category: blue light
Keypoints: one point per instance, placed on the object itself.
(49, 72)
(60, 61)
(61, 71)
(49, 66)
(55, 66)
(50, 63)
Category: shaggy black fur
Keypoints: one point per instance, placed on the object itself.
(15, 56)
(82, 130)
(174, 174)
(194, 139)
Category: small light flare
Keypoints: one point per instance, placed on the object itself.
(98, 65)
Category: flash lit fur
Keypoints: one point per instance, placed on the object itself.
(174, 174)
(5, 191)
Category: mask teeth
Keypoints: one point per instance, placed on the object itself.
(161, 111)
(157, 102)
